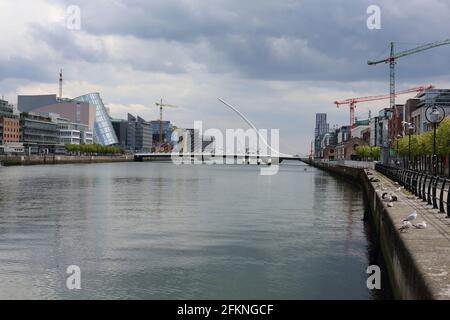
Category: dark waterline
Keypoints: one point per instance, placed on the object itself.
(161, 231)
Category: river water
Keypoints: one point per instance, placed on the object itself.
(165, 231)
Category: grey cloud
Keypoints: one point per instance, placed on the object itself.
(336, 42)
(23, 68)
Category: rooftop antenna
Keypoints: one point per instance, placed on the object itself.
(60, 83)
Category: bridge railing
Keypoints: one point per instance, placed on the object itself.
(434, 190)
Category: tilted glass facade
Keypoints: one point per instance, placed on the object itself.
(103, 130)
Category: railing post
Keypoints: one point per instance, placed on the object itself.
(436, 182)
(410, 180)
(429, 190)
(414, 182)
(441, 197)
(424, 185)
(419, 186)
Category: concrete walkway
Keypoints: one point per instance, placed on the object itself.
(429, 247)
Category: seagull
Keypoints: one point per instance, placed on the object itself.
(390, 197)
(405, 226)
(399, 189)
(411, 217)
(421, 225)
(390, 204)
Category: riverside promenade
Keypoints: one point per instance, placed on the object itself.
(417, 260)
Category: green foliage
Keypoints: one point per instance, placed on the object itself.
(423, 144)
(93, 149)
(375, 152)
(366, 152)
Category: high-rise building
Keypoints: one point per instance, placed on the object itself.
(321, 128)
(103, 130)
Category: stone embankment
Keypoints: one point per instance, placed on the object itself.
(417, 260)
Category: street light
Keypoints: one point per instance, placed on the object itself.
(410, 129)
(398, 139)
(434, 114)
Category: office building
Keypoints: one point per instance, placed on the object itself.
(9, 124)
(126, 132)
(39, 134)
(427, 98)
(71, 132)
(103, 130)
(144, 138)
(74, 111)
(167, 131)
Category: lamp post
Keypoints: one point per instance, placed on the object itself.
(410, 129)
(398, 139)
(434, 114)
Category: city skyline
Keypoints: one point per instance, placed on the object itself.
(270, 60)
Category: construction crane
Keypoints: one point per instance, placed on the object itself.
(161, 105)
(392, 60)
(352, 101)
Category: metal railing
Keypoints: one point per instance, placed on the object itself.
(433, 190)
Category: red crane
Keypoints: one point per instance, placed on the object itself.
(352, 101)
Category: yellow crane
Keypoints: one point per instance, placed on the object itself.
(161, 105)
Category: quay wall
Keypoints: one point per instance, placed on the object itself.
(405, 275)
(59, 159)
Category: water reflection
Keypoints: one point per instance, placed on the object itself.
(159, 231)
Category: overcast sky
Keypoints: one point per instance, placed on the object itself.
(279, 62)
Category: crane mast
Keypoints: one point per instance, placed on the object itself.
(392, 61)
(161, 105)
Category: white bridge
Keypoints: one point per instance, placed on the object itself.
(203, 157)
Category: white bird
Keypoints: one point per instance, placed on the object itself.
(421, 225)
(399, 189)
(405, 226)
(411, 217)
(390, 204)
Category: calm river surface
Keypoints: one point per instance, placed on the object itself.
(161, 231)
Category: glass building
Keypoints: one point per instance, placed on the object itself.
(103, 130)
